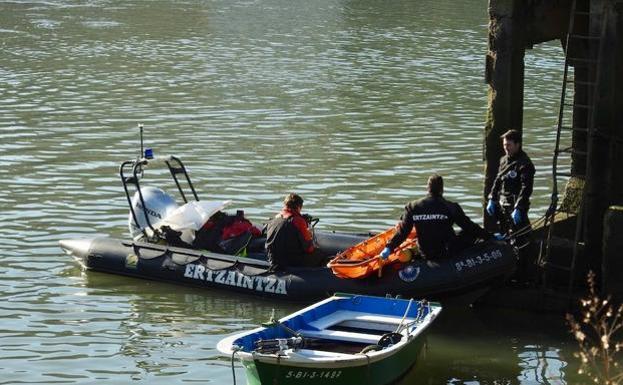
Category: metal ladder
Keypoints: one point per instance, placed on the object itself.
(573, 40)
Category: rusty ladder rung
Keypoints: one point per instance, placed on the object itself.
(585, 106)
(581, 82)
(575, 129)
(581, 60)
(571, 150)
(584, 37)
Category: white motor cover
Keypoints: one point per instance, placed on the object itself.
(159, 206)
(191, 217)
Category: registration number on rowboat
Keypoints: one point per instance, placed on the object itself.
(312, 374)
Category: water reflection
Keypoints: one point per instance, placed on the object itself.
(493, 347)
(542, 365)
(168, 330)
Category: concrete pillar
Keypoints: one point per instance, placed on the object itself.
(504, 74)
(612, 266)
(599, 188)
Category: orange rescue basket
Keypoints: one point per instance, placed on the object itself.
(363, 259)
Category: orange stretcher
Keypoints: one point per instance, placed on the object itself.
(363, 259)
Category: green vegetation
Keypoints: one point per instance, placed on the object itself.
(599, 334)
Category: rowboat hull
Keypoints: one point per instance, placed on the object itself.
(341, 340)
(377, 372)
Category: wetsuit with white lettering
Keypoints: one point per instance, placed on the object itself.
(433, 218)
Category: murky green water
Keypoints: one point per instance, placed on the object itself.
(351, 103)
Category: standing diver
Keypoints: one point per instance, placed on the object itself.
(509, 199)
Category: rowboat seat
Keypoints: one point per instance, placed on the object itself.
(357, 319)
(369, 327)
(339, 335)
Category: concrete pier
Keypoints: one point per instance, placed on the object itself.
(597, 115)
(514, 27)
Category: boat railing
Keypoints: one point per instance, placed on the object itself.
(136, 168)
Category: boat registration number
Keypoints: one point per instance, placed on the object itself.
(469, 263)
(314, 374)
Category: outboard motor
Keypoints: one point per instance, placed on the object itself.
(158, 204)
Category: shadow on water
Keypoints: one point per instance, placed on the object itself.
(494, 346)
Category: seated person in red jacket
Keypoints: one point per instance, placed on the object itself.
(288, 239)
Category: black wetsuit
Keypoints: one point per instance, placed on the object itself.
(512, 188)
(288, 241)
(433, 217)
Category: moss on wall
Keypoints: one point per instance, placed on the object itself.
(572, 197)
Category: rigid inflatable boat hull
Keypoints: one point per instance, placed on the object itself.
(476, 269)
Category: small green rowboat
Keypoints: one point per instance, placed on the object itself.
(345, 339)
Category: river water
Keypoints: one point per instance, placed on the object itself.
(350, 103)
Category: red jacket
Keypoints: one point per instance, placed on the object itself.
(301, 225)
(288, 240)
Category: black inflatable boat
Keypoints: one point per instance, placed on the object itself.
(145, 256)
(475, 270)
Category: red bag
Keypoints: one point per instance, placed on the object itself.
(238, 226)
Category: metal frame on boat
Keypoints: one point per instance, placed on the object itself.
(175, 167)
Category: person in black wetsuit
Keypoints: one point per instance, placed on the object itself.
(509, 199)
(433, 217)
(288, 239)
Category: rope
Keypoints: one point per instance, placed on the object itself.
(276, 379)
(424, 305)
(422, 311)
(528, 228)
(404, 317)
(233, 372)
(234, 350)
